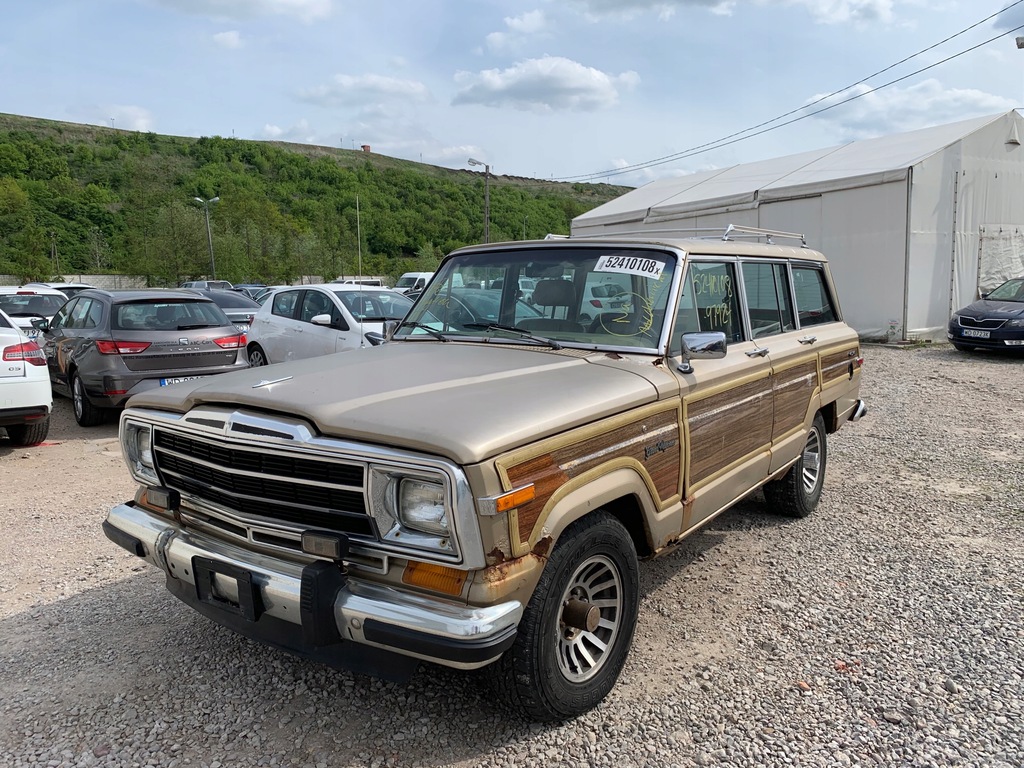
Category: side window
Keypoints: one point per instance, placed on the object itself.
(76, 319)
(813, 303)
(283, 303)
(95, 313)
(314, 303)
(714, 291)
(767, 292)
(687, 320)
(60, 320)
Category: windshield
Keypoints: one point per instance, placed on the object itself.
(405, 282)
(589, 296)
(1011, 290)
(370, 306)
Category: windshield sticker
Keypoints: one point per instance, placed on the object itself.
(631, 265)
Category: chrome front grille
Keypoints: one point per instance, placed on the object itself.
(265, 483)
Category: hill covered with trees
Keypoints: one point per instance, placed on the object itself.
(85, 199)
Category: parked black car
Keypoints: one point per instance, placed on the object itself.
(995, 321)
(239, 308)
(102, 347)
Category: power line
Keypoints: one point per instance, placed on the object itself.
(753, 130)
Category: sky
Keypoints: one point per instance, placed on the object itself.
(620, 91)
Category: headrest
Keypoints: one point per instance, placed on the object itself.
(554, 293)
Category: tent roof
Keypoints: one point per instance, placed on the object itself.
(859, 163)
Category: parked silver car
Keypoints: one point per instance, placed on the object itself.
(312, 320)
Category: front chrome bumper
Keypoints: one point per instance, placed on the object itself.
(292, 606)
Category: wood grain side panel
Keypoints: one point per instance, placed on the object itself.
(653, 442)
(793, 389)
(727, 426)
(836, 365)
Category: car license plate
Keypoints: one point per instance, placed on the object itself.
(973, 334)
(165, 382)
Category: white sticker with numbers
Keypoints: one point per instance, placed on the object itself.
(631, 265)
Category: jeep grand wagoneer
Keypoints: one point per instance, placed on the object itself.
(478, 491)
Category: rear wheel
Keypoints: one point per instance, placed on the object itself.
(577, 628)
(29, 434)
(796, 493)
(86, 414)
(257, 357)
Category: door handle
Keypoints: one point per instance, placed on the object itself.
(808, 339)
(759, 352)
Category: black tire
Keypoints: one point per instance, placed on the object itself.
(86, 414)
(555, 671)
(29, 434)
(257, 357)
(963, 347)
(797, 492)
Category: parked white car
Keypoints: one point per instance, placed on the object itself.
(25, 397)
(25, 304)
(68, 289)
(313, 320)
(411, 282)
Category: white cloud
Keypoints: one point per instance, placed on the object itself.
(304, 10)
(842, 11)
(897, 110)
(543, 85)
(300, 133)
(128, 118)
(628, 9)
(823, 11)
(519, 28)
(347, 90)
(230, 39)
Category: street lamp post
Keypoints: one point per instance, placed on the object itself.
(487, 198)
(209, 232)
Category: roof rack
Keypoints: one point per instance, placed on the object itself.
(767, 234)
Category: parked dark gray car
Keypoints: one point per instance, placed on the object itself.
(102, 347)
(239, 308)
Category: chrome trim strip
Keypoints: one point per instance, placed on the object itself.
(171, 548)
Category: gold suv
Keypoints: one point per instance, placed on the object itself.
(478, 491)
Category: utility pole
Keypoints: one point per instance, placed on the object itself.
(209, 232)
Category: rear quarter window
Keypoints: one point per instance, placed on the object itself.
(813, 301)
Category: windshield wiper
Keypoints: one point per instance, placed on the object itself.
(422, 326)
(512, 329)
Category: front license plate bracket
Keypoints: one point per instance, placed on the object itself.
(249, 604)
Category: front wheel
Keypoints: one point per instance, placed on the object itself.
(796, 493)
(578, 626)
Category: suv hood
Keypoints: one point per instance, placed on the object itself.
(466, 402)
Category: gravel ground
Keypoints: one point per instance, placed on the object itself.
(885, 629)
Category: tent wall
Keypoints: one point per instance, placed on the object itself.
(861, 231)
(914, 225)
(990, 209)
(933, 234)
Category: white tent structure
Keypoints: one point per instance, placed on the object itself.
(914, 224)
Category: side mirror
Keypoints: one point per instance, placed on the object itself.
(701, 346)
(40, 323)
(390, 326)
(324, 319)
